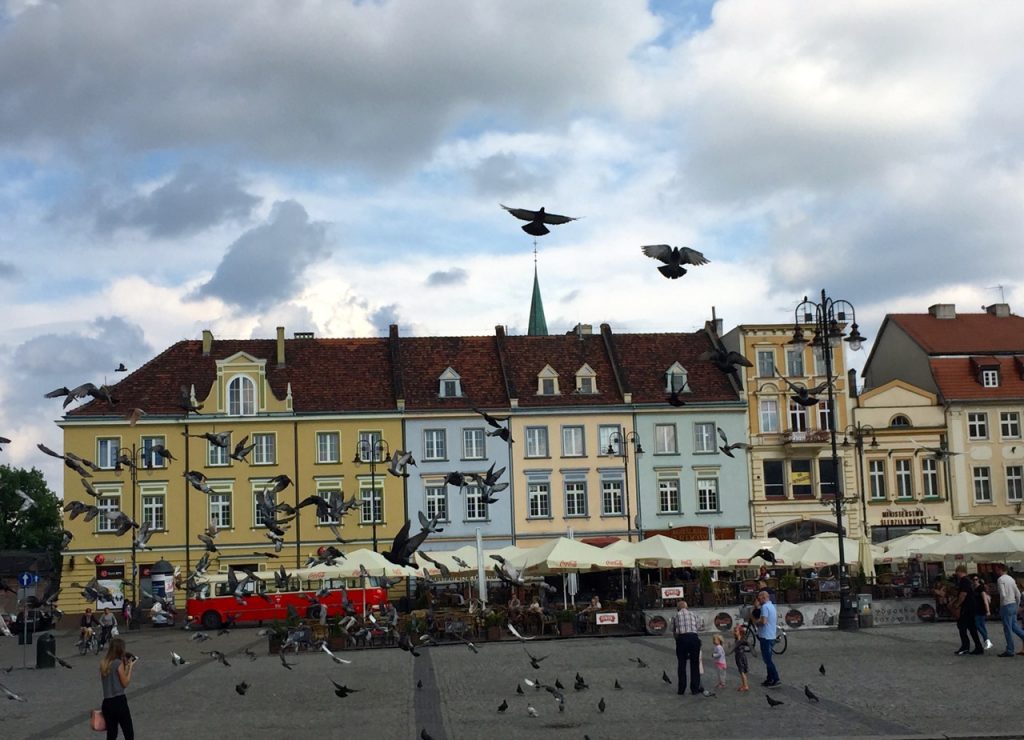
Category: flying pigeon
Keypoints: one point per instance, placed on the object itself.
(725, 361)
(674, 258)
(537, 219)
(727, 448)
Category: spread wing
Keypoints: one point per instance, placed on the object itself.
(689, 256)
(554, 219)
(524, 214)
(662, 252)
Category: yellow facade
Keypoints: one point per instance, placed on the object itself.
(316, 453)
(562, 471)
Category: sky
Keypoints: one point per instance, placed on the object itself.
(337, 167)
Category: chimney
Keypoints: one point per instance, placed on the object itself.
(716, 322)
(207, 342)
(582, 330)
(943, 310)
(1000, 310)
(851, 383)
(280, 346)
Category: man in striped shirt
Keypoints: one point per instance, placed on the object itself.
(685, 626)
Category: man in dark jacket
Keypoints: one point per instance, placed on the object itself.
(965, 605)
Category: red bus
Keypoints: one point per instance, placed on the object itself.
(213, 605)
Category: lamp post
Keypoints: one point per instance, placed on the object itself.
(618, 440)
(859, 432)
(131, 458)
(372, 450)
(827, 318)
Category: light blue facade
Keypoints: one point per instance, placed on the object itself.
(424, 437)
(672, 477)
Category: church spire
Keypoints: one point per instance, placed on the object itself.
(538, 325)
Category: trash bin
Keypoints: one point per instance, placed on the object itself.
(864, 615)
(46, 648)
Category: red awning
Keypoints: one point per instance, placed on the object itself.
(600, 541)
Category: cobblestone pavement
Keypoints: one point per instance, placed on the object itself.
(901, 681)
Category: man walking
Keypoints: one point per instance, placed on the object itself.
(1009, 601)
(767, 631)
(684, 626)
(965, 606)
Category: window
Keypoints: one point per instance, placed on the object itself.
(819, 362)
(449, 384)
(826, 477)
(930, 477)
(900, 420)
(665, 439)
(107, 506)
(824, 415)
(797, 417)
(149, 458)
(982, 485)
(372, 509)
(106, 452)
(769, 413)
(265, 450)
(800, 478)
(676, 380)
(904, 478)
(977, 425)
(536, 441)
(437, 502)
(220, 509)
(547, 382)
(1014, 483)
(1009, 424)
(766, 363)
(153, 511)
(330, 491)
(707, 494)
(668, 495)
(990, 378)
(611, 498)
(774, 479)
(370, 446)
(795, 362)
(876, 474)
(241, 396)
(586, 380)
(575, 498)
(328, 447)
(217, 456)
(704, 437)
(572, 441)
(434, 446)
(539, 499)
(257, 515)
(473, 444)
(476, 509)
(609, 436)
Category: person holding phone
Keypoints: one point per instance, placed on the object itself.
(115, 674)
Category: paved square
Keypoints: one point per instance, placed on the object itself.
(886, 681)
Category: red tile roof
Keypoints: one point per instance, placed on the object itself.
(648, 356)
(969, 333)
(565, 353)
(957, 379)
(475, 359)
(325, 375)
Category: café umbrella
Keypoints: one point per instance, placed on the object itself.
(664, 552)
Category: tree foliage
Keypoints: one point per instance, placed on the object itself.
(40, 528)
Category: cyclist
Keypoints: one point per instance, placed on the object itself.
(107, 624)
(85, 626)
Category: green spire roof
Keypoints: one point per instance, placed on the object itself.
(538, 326)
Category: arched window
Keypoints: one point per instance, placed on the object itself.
(900, 420)
(241, 396)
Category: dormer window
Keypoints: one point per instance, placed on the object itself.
(450, 384)
(986, 370)
(547, 382)
(990, 378)
(586, 380)
(241, 396)
(900, 420)
(676, 379)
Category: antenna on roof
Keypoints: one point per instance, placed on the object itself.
(1002, 292)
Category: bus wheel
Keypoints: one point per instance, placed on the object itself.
(211, 620)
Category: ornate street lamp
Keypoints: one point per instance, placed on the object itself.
(828, 317)
(617, 448)
(373, 450)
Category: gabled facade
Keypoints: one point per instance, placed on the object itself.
(793, 480)
(974, 363)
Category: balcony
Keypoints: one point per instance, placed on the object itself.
(810, 438)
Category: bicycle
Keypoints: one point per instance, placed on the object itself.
(781, 641)
(92, 643)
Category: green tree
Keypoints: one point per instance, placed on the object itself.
(40, 528)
